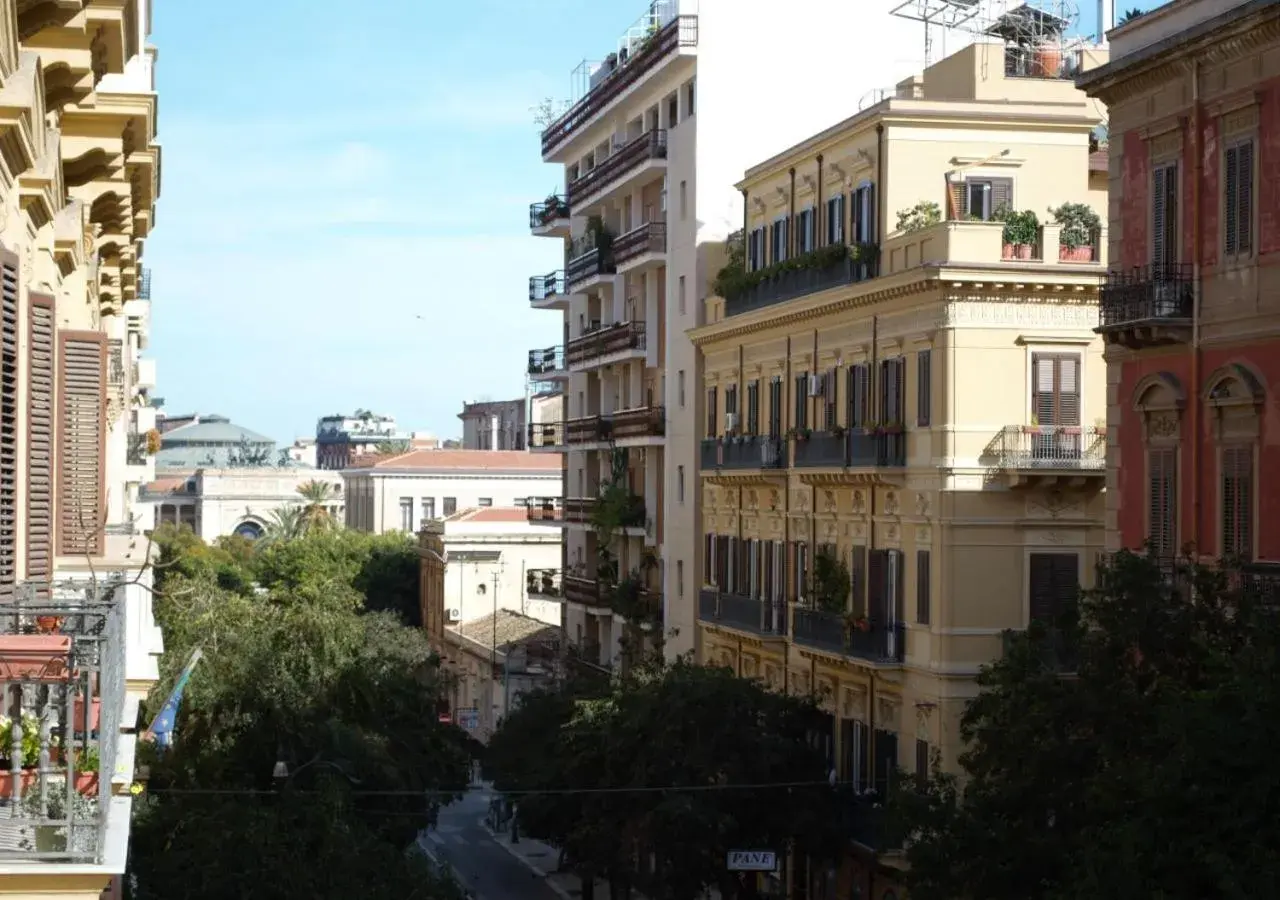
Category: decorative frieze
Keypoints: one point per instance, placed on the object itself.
(1070, 316)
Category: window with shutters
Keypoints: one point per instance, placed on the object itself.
(922, 761)
(863, 214)
(884, 587)
(1162, 500)
(1055, 406)
(924, 387)
(857, 396)
(82, 440)
(1237, 209)
(8, 423)
(805, 231)
(801, 411)
(858, 580)
(981, 198)
(753, 407)
(855, 741)
(923, 588)
(835, 220)
(712, 398)
(41, 339)
(1237, 501)
(756, 255)
(731, 400)
(892, 396)
(800, 570)
(778, 240)
(1054, 584)
(829, 398)
(1164, 215)
(775, 406)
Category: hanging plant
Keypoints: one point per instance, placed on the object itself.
(153, 442)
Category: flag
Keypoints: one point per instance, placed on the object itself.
(162, 726)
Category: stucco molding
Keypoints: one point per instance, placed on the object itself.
(1253, 391)
(1151, 385)
(1065, 316)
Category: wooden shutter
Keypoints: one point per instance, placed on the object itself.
(1237, 502)
(1245, 203)
(1237, 178)
(858, 579)
(708, 559)
(775, 406)
(924, 387)
(922, 761)
(1054, 580)
(1001, 194)
(82, 442)
(802, 400)
(859, 386)
(877, 586)
(869, 216)
(891, 394)
(1164, 215)
(41, 338)
(957, 200)
(791, 571)
(1056, 388)
(923, 594)
(899, 562)
(1162, 500)
(830, 394)
(9, 276)
(886, 760)
(712, 431)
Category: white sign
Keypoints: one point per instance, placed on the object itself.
(753, 861)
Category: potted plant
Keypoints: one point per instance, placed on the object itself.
(153, 442)
(1100, 426)
(1034, 427)
(924, 214)
(1020, 231)
(837, 431)
(856, 622)
(1079, 224)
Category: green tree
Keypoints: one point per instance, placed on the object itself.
(317, 495)
(679, 765)
(1144, 773)
(391, 447)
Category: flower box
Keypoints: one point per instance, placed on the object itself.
(1075, 254)
(34, 657)
(86, 782)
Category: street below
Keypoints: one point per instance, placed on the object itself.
(486, 869)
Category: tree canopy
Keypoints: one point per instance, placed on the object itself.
(306, 662)
(651, 780)
(1144, 772)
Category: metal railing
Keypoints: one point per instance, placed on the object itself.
(544, 212)
(1158, 292)
(1052, 447)
(544, 584)
(546, 360)
(820, 448)
(837, 633)
(586, 430)
(546, 434)
(588, 264)
(624, 158)
(648, 421)
(602, 341)
(586, 591)
(682, 31)
(61, 676)
(650, 237)
(767, 618)
(136, 452)
(144, 283)
(544, 287)
(792, 283)
(545, 509)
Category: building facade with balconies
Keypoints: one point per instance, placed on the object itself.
(77, 637)
(1190, 313)
(651, 144)
(901, 459)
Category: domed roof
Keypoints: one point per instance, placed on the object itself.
(211, 431)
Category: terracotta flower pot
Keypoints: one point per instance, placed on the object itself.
(1075, 254)
(95, 714)
(1024, 251)
(34, 657)
(1008, 251)
(86, 782)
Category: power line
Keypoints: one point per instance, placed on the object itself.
(638, 789)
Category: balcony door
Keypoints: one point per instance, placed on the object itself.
(1055, 403)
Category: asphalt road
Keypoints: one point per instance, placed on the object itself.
(486, 869)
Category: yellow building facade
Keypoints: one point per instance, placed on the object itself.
(902, 397)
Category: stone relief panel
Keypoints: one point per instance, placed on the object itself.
(1054, 505)
(773, 677)
(801, 683)
(922, 504)
(800, 500)
(859, 503)
(853, 703)
(830, 501)
(750, 666)
(924, 534)
(888, 712)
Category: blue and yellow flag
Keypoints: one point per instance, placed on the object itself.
(162, 726)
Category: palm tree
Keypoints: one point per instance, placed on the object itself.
(1131, 15)
(285, 523)
(315, 511)
(390, 448)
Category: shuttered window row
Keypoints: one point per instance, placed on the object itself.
(746, 567)
(82, 376)
(40, 426)
(8, 424)
(1162, 500)
(1237, 225)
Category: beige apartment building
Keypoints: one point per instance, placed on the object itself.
(81, 175)
(901, 460)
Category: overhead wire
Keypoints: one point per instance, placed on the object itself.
(637, 789)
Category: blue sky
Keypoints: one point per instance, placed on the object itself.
(333, 172)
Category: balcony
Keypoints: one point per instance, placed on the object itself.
(546, 436)
(547, 363)
(62, 671)
(587, 263)
(855, 448)
(606, 345)
(621, 170)
(764, 618)
(1044, 454)
(743, 457)
(585, 591)
(545, 509)
(839, 635)
(550, 217)
(580, 510)
(144, 284)
(641, 247)
(830, 267)
(1042, 62)
(638, 61)
(548, 291)
(543, 584)
(866, 823)
(1148, 306)
(820, 448)
(586, 430)
(642, 422)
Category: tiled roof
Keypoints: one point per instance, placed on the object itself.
(165, 485)
(511, 628)
(471, 460)
(490, 514)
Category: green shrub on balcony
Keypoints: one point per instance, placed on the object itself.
(924, 214)
(734, 279)
(1079, 224)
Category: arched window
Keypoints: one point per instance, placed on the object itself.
(250, 530)
(1233, 398)
(1159, 400)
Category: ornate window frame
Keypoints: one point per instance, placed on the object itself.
(1160, 400)
(1233, 396)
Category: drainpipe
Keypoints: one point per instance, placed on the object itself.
(791, 217)
(819, 206)
(1197, 256)
(786, 538)
(746, 224)
(879, 192)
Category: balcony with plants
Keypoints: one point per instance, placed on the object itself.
(62, 675)
(543, 584)
(738, 452)
(828, 267)
(761, 617)
(1052, 448)
(868, 446)
(550, 217)
(590, 257)
(629, 162)
(827, 622)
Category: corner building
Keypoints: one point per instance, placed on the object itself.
(650, 144)
(920, 402)
(1191, 309)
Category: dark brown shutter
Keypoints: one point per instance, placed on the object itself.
(1001, 194)
(790, 575)
(923, 597)
(82, 442)
(877, 586)
(1237, 502)
(959, 200)
(858, 579)
(1056, 388)
(1162, 500)
(41, 377)
(1055, 585)
(1245, 203)
(8, 424)
(899, 560)
(924, 387)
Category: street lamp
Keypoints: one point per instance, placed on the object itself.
(282, 776)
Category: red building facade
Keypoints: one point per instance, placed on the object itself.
(1191, 313)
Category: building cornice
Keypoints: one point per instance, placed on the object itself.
(549, 474)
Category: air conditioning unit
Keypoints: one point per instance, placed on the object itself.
(816, 385)
(730, 423)
(453, 615)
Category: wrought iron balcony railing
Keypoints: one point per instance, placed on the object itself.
(791, 283)
(545, 509)
(544, 287)
(546, 360)
(625, 158)
(1145, 294)
(748, 451)
(848, 636)
(650, 237)
(648, 421)
(546, 434)
(603, 341)
(767, 618)
(544, 212)
(587, 264)
(544, 584)
(1053, 447)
